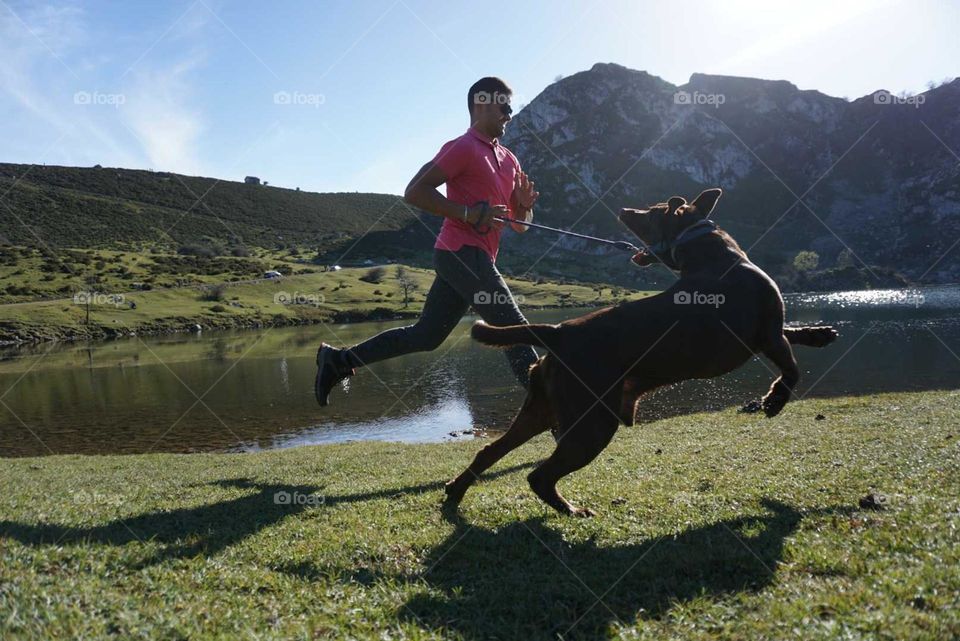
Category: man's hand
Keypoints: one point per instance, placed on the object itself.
(481, 215)
(524, 192)
(524, 197)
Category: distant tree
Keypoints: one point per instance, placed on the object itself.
(200, 251)
(845, 259)
(215, 293)
(374, 275)
(806, 261)
(407, 284)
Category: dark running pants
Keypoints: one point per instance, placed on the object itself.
(465, 277)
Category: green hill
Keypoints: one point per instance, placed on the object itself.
(105, 207)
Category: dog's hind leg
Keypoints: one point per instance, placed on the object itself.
(580, 442)
(778, 350)
(535, 417)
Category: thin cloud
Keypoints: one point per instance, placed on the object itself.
(158, 112)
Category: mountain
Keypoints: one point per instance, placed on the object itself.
(878, 176)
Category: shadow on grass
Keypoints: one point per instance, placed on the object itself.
(186, 532)
(205, 529)
(524, 581)
(520, 581)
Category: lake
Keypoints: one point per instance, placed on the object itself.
(252, 390)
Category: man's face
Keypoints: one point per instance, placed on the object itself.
(492, 112)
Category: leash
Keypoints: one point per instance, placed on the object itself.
(619, 244)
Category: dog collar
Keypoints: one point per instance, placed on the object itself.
(696, 230)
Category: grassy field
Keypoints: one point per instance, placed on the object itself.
(302, 298)
(709, 526)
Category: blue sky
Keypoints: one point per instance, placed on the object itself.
(356, 95)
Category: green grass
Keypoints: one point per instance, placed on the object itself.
(303, 298)
(710, 526)
(27, 275)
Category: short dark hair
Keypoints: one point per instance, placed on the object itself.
(485, 90)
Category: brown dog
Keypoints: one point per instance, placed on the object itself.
(722, 311)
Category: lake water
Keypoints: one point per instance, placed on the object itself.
(251, 390)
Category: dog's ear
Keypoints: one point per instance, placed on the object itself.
(675, 203)
(706, 201)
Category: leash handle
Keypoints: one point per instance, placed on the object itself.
(477, 226)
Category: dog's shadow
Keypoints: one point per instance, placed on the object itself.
(524, 581)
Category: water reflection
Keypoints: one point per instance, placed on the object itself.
(253, 390)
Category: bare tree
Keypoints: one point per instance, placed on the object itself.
(407, 284)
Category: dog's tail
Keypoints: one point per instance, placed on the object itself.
(818, 336)
(539, 335)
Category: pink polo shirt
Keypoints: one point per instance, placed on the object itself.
(477, 168)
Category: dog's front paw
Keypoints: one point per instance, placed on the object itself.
(454, 491)
(773, 403)
(582, 512)
(751, 408)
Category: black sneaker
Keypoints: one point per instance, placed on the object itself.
(330, 371)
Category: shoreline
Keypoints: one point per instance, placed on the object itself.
(343, 296)
(188, 326)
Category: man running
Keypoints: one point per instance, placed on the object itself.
(484, 180)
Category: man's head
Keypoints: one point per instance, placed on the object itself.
(489, 103)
